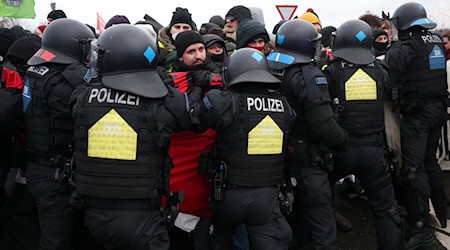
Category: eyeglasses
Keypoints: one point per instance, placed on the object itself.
(230, 18)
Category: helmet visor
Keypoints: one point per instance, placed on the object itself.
(85, 48)
(93, 58)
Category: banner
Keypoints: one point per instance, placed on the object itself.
(17, 8)
(100, 24)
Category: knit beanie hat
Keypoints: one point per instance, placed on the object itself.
(327, 33)
(7, 38)
(117, 19)
(24, 48)
(185, 39)
(56, 14)
(181, 15)
(240, 13)
(377, 33)
(310, 17)
(217, 20)
(249, 30)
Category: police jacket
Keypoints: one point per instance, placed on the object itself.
(358, 92)
(252, 123)
(417, 65)
(122, 141)
(306, 89)
(48, 121)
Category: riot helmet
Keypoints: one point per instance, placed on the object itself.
(248, 65)
(297, 41)
(409, 15)
(125, 58)
(353, 42)
(65, 41)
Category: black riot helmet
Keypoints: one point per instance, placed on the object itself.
(411, 14)
(64, 41)
(248, 65)
(297, 41)
(353, 42)
(125, 58)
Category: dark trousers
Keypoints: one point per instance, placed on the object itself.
(21, 220)
(420, 134)
(56, 215)
(364, 157)
(257, 208)
(313, 221)
(117, 226)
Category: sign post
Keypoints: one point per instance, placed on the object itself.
(286, 11)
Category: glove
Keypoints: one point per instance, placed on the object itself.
(201, 78)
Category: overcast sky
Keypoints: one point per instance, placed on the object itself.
(331, 12)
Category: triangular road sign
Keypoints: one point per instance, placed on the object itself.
(286, 11)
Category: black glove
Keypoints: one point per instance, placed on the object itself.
(201, 78)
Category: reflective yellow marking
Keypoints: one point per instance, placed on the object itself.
(360, 87)
(265, 138)
(112, 138)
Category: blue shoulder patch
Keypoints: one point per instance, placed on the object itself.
(321, 80)
(436, 58)
(26, 94)
(87, 77)
(207, 103)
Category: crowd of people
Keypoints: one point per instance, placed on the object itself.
(219, 137)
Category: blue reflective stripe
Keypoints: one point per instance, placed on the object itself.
(281, 58)
(150, 54)
(361, 36)
(421, 21)
(280, 39)
(257, 56)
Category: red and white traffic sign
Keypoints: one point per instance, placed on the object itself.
(286, 11)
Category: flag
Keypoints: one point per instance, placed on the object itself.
(17, 8)
(100, 23)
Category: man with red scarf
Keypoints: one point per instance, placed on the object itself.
(192, 74)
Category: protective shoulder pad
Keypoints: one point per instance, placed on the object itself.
(75, 73)
(217, 99)
(316, 85)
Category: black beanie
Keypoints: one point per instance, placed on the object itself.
(56, 14)
(185, 39)
(181, 15)
(7, 38)
(249, 30)
(24, 48)
(217, 20)
(240, 12)
(377, 33)
(327, 35)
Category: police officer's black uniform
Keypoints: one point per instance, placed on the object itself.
(358, 83)
(56, 70)
(306, 89)
(252, 121)
(417, 67)
(123, 122)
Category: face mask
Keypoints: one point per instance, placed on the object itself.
(217, 58)
(260, 48)
(380, 47)
(174, 36)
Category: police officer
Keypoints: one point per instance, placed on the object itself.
(358, 83)
(315, 130)
(252, 121)
(123, 122)
(417, 67)
(56, 69)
